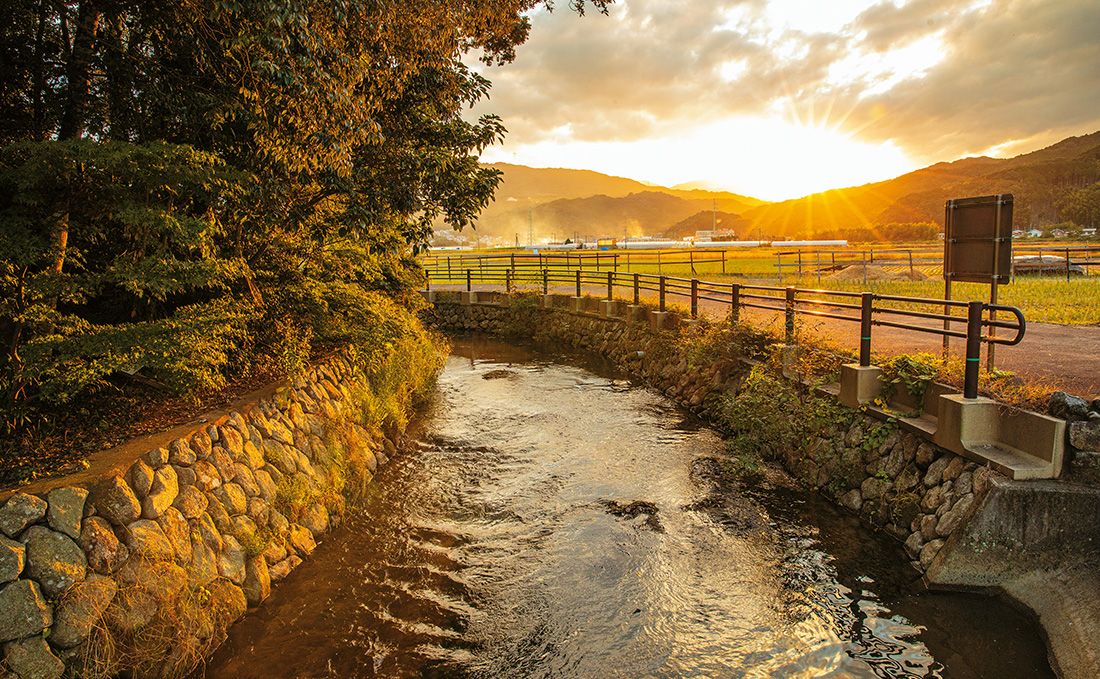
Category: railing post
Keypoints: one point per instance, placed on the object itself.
(508, 281)
(578, 282)
(790, 314)
(662, 295)
(973, 348)
(866, 308)
(468, 287)
(427, 280)
(736, 302)
(694, 297)
(637, 298)
(610, 283)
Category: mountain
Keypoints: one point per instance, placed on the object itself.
(707, 220)
(1035, 179)
(560, 203)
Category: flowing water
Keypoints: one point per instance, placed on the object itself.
(552, 519)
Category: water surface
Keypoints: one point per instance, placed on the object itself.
(551, 519)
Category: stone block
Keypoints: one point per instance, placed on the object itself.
(54, 560)
(66, 509)
(20, 511)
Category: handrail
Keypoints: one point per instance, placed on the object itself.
(791, 302)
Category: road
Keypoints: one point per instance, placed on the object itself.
(1064, 357)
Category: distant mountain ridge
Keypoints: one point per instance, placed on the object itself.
(563, 203)
(1035, 179)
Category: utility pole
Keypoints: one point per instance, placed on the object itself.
(530, 228)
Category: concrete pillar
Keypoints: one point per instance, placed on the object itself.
(577, 304)
(607, 308)
(468, 298)
(428, 295)
(547, 301)
(859, 384)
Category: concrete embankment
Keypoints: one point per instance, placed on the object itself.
(962, 523)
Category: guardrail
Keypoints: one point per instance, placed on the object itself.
(791, 301)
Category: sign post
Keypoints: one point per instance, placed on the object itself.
(977, 249)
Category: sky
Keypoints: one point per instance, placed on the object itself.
(777, 99)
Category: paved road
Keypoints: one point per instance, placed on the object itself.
(1067, 357)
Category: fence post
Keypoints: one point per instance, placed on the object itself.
(427, 280)
(578, 282)
(662, 295)
(1067, 265)
(694, 297)
(723, 262)
(508, 281)
(790, 314)
(735, 301)
(973, 348)
(637, 299)
(468, 288)
(866, 302)
(545, 282)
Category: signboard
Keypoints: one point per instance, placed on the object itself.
(978, 239)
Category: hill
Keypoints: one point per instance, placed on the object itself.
(707, 220)
(561, 202)
(1035, 179)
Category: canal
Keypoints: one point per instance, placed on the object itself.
(550, 518)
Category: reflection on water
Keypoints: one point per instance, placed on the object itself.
(552, 520)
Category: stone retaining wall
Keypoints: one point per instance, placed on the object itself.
(896, 480)
(141, 572)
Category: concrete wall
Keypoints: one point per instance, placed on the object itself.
(138, 568)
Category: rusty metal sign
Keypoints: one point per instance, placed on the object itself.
(978, 239)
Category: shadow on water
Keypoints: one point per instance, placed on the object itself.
(550, 519)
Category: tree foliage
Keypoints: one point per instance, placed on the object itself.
(184, 184)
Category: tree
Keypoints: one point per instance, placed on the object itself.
(191, 174)
(1080, 206)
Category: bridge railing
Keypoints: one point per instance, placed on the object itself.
(917, 314)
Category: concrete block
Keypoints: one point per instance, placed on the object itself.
(964, 422)
(859, 384)
(659, 319)
(608, 308)
(547, 301)
(1019, 444)
(635, 312)
(468, 298)
(428, 295)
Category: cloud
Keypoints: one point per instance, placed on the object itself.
(936, 78)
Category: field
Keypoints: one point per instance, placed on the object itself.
(1042, 299)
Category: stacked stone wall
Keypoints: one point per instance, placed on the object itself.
(141, 572)
(895, 480)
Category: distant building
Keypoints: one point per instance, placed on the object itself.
(1058, 233)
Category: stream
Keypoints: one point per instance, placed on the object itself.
(551, 518)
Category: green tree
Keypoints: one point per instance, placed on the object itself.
(179, 179)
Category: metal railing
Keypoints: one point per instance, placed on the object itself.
(866, 308)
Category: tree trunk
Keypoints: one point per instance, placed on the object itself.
(79, 72)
